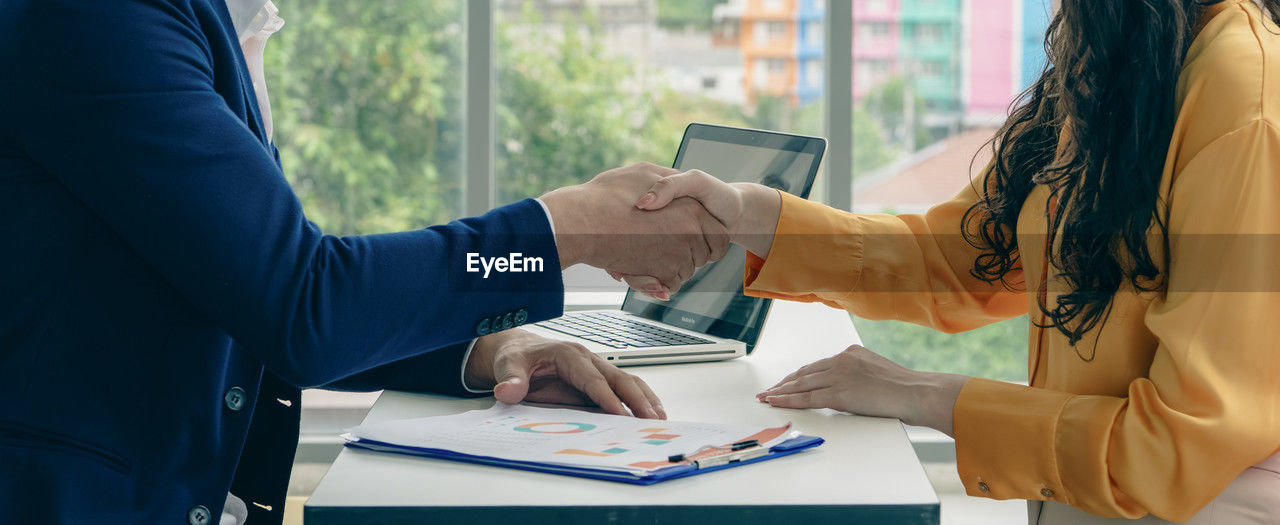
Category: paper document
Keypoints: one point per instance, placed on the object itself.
(568, 437)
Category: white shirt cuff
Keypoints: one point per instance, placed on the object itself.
(466, 358)
(547, 210)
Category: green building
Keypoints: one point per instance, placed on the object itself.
(929, 52)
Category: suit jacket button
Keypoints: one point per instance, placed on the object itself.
(235, 398)
(482, 328)
(522, 315)
(198, 515)
(506, 322)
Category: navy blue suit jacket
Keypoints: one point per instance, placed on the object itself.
(162, 296)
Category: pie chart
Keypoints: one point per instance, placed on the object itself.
(555, 427)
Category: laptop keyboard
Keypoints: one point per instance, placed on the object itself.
(615, 331)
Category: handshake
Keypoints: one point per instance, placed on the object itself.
(653, 226)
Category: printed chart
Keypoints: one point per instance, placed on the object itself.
(565, 436)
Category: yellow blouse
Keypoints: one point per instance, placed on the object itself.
(1183, 389)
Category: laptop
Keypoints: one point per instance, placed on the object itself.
(709, 319)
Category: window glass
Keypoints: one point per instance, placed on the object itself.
(927, 96)
(589, 85)
(367, 105)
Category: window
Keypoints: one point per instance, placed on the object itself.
(871, 34)
(920, 117)
(367, 104)
(760, 73)
(770, 32)
(929, 33)
(580, 90)
(931, 68)
(813, 73)
(367, 101)
(813, 36)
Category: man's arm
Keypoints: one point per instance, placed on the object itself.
(136, 131)
(134, 128)
(438, 371)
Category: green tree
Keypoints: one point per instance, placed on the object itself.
(871, 149)
(886, 103)
(568, 109)
(368, 111)
(679, 14)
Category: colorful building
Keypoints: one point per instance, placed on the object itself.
(1004, 54)
(966, 59)
(877, 36)
(929, 53)
(781, 43)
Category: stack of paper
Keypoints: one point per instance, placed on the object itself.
(569, 441)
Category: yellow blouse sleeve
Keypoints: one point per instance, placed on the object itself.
(1210, 405)
(920, 270)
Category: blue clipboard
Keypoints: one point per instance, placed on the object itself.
(786, 448)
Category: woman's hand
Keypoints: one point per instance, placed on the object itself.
(862, 382)
(748, 211)
(521, 366)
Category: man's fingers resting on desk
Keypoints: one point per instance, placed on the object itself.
(634, 392)
(523, 366)
(609, 388)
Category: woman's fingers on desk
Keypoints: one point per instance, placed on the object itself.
(863, 382)
(811, 368)
(856, 380)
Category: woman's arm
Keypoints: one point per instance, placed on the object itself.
(749, 211)
(1209, 405)
(911, 267)
(1208, 408)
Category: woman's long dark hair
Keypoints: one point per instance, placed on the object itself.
(1108, 94)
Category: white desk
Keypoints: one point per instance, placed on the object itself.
(866, 472)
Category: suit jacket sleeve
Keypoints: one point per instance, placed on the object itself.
(138, 132)
(438, 371)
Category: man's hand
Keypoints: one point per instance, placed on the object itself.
(597, 223)
(521, 366)
(748, 211)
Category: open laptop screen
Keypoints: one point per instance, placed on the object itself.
(711, 301)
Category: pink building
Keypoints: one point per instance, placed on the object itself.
(992, 59)
(877, 31)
